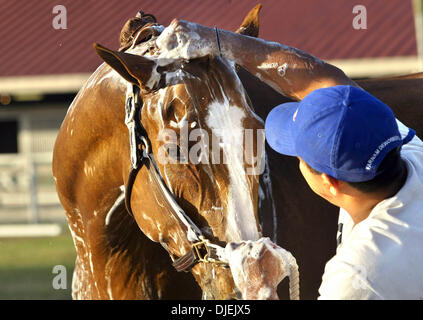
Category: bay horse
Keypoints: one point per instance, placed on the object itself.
(128, 231)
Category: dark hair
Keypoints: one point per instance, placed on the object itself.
(390, 171)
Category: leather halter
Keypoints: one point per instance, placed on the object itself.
(141, 155)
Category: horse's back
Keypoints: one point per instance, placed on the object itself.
(404, 95)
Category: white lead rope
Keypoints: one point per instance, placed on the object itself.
(290, 267)
(294, 278)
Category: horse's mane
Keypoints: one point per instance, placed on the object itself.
(132, 26)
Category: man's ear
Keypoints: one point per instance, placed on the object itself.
(135, 69)
(331, 184)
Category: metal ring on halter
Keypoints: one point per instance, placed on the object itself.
(203, 250)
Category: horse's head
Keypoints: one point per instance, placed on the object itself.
(207, 144)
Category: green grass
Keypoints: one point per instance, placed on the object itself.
(26, 266)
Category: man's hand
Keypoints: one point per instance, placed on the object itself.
(257, 267)
(186, 40)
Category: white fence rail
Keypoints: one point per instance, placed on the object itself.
(27, 191)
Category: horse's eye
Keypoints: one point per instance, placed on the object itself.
(174, 151)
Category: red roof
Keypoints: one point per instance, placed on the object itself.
(31, 46)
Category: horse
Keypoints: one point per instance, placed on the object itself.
(306, 223)
(117, 260)
(138, 211)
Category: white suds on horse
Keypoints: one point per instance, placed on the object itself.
(226, 122)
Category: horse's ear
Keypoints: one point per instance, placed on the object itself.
(135, 69)
(250, 25)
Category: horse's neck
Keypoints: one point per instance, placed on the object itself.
(95, 127)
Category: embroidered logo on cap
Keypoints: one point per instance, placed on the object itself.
(379, 149)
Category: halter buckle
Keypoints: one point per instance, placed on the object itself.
(207, 252)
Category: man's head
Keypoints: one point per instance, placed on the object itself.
(341, 135)
(391, 176)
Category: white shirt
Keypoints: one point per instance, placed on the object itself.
(382, 256)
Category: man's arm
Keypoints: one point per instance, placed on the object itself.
(290, 71)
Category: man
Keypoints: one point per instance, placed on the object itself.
(352, 152)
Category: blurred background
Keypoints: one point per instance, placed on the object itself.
(45, 60)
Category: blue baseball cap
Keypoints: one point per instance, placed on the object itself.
(342, 131)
